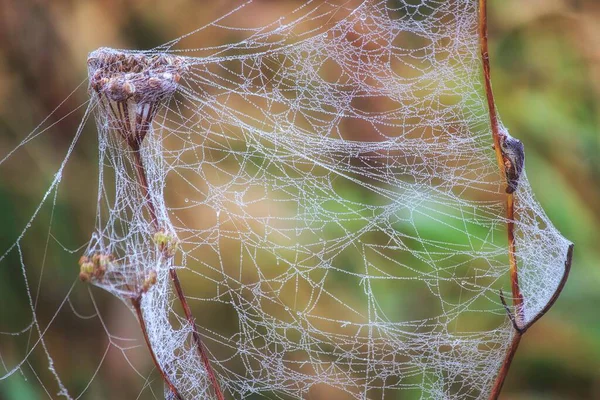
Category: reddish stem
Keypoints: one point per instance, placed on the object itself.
(141, 173)
(510, 214)
(518, 319)
(173, 273)
(510, 354)
(512, 259)
(201, 350)
(136, 302)
(494, 123)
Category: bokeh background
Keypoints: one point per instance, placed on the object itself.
(545, 57)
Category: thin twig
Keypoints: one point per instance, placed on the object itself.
(135, 139)
(201, 350)
(558, 290)
(510, 354)
(136, 302)
(518, 317)
(118, 78)
(173, 273)
(510, 199)
(521, 329)
(126, 134)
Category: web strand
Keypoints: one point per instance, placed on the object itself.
(326, 189)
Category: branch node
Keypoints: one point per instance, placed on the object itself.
(510, 314)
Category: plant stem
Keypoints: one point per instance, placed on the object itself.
(201, 350)
(143, 181)
(514, 271)
(112, 81)
(510, 353)
(510, 199)
(136, 302)
(518, 319)
(512, 259)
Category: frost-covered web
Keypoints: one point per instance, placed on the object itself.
(326, 188)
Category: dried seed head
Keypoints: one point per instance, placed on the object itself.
(144, 78)
(133, 84)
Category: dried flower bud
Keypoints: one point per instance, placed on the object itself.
(86, 269)
(129, 88)
(83, 259)
(152, 277)
(149, 281)
(154, 82)
(84, 277)
(166, 242)
(94, 267)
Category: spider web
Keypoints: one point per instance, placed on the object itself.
(330, 184)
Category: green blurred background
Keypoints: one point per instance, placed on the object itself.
(545, 58)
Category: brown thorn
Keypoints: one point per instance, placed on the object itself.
(510, 314)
